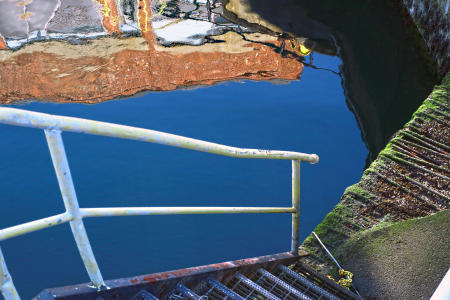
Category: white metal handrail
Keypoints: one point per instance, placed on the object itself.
(54, 125)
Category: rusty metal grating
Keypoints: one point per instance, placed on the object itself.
(317, 284)
(249, 289)
(303, 285)
(182, 292)
(218, 291)
(266, 277)
(278, 287)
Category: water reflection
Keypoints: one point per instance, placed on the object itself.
(92, 51)
(386, 71)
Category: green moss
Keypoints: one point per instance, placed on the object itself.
(439, 95)
(376, 239)
(344, 221)
(358, 191)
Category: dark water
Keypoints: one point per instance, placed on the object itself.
(387, 70)
(309, 115)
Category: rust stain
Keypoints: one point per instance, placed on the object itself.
(144, 15)
(151, 278)
(3, 45)
(93, 79)
(145, 24)
(128, 72)
(110, 16)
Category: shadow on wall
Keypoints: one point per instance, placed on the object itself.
(387, 69)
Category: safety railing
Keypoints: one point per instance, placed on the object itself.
(54, 125)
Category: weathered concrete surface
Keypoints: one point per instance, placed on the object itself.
(432, 18)
(403, 260)
(409, 179)
(77, 16)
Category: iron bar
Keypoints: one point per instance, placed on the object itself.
(59, 158)
(54, 125)
(25, 118)
(326, 250)
(296, 205)
(55, 220)
(136, 211)
(7, 287)
(334, 259)
(25, 228)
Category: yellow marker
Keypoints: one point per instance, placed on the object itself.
(303, 50)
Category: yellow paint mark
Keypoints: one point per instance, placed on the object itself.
(301, 47)
(26, 16)
(161, 9)
(24, 3)
(110, 15)
(144, 15)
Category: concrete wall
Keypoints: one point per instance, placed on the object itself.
(433, 21)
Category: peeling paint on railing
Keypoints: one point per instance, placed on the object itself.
(6, 285)
(53, 127)
(25, 118)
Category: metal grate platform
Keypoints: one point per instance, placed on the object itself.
(273, 277)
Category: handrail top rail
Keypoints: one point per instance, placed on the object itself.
(25, 118)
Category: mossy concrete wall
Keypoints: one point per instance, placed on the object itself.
(403, 260)
(409, 179)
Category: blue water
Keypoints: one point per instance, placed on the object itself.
(309, 116)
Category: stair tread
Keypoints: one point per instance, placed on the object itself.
(288, 288)
(224, 289)
(256, 287)
(144, 295)
(303, 280)
(184, 291)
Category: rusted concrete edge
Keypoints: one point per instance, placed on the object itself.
(159, 284)
(345, 220)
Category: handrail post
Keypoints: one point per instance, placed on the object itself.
(7, 287)
(296, 205)
(61, 165)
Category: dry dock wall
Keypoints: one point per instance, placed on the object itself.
(409, 180)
